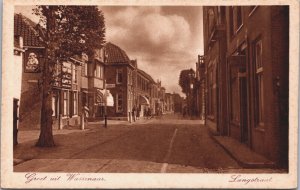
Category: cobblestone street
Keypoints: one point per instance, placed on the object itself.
(157, 145)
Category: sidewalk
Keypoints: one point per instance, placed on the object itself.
(29, 135)
(68, 141)
(243, 154)
(122, 122)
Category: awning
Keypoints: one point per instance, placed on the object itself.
(144, 100)
(101, 95)
(109, 99)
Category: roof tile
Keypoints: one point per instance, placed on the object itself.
(115, 54)
(25, 28)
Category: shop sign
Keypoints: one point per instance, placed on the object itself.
(110, 85)
(32, 63)
(66, 80)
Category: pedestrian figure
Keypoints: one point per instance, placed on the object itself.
(149, 113)
(134, 113)
(184, 111)
(145, 113)
(138, 113)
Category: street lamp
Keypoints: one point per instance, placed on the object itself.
(191, 77)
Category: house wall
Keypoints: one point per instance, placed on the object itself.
(17, 65)
(270, 24)
(111, 78)
(30, 108)
(18, 68)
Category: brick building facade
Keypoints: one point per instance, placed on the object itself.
(119, 72)
(29, 110)
(66, 93)
(247, 63)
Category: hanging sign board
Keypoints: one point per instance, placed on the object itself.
(31, 62)
(110, 85)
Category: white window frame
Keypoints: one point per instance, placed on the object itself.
(65, 103)
(259, 83)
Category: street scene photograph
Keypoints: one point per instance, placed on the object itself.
(151, 89)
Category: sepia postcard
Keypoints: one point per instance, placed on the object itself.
(149, 94)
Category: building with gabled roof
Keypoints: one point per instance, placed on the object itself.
(66, 93)
(119, 74)
(27, 28)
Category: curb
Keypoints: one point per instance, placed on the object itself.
(248, 165)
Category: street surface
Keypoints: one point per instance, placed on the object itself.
(158, 145)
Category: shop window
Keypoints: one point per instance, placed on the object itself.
(119, 76)
(119, 105)
(259, 79)
(65, 102)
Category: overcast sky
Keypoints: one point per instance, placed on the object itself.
(164, 40)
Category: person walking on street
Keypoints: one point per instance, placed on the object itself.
(145, 113)
(134, 113)
(149, 113)
(138, 113)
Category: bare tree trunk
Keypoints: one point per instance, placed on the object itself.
(46, 135)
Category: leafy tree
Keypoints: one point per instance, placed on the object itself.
(185, 78)
(67, 31)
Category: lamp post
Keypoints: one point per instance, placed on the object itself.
(191, 86)
(191, 99)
